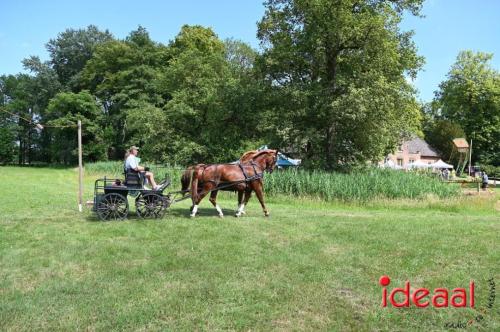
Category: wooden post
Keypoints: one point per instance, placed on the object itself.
(80, 168)
(470, 157)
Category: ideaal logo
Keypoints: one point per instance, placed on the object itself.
(439, 298)
(423, 297)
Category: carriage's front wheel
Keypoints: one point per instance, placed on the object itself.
(151, 205)
(112, 206)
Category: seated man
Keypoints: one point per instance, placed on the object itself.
(132, 164)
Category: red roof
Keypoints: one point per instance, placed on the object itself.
(461, 143)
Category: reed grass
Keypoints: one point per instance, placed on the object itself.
(359, 185)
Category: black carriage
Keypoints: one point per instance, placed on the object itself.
(111, 197)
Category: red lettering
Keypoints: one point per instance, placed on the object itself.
(471, 293)
(384, 297)
(416, 297)
(459, 293)
(443, 296)
(405, 291)
(439, 298)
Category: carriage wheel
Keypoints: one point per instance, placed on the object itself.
(151, 205)
(112, 206)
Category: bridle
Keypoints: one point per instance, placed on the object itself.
(271, 166)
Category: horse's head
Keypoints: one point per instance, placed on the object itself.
(266, 159)
(274, 161)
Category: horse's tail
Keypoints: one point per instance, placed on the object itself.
(197, 173)
(186, 179)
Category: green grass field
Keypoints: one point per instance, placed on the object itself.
(311, 265)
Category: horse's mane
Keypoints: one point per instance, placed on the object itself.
(248, 156)
(259, 153)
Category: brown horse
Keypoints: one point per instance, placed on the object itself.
(243, 177)
(188, 174)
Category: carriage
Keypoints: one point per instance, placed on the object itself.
(111, 197)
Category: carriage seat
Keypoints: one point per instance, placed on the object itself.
(134, 179)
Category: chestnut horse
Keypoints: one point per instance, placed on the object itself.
(188, 174)
(243, 177)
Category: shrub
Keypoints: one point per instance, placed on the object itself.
(492, 171)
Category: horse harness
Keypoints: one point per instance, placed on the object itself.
(253, 177)
(247, 179)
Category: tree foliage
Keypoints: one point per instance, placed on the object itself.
(65, 109)
(123, 75)
(71, 50)
(440, 134)
(7, 139)
(470, 96)
(339, 73)
(331, 86)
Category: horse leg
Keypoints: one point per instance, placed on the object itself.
(241, 207)
(240, 200)
(260, 195)
(213, 200)
(204, 192)
(248, 193)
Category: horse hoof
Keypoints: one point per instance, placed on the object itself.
(221, 216)
(243, 212)
(237, 215)
(266, 214)
(192, 215)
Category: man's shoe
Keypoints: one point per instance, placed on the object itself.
(164, 184)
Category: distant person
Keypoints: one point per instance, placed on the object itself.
(453, 174)
(131, 164)
(485, 181)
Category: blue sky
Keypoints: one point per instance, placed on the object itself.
(449, 26)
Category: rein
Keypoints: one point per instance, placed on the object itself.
(256, 175)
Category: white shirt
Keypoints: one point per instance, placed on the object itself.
(131, 163)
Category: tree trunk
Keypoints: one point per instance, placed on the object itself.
(331, 54)
(329, 157)
(21, 150)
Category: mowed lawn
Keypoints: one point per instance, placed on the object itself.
(310, 265)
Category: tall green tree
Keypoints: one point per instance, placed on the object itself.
(338, 71)
(19, 99)
(71, 50)
(44, 85)
(7, 137)
(27, 96)
(470, 96)
(214, 111)
(63, 112)
(125, 75)
(440, 134)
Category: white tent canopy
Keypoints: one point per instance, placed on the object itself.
(390, 164)
(419, 164)
(441, 164)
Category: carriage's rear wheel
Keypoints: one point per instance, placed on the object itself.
(151, 205)
(112, 206)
